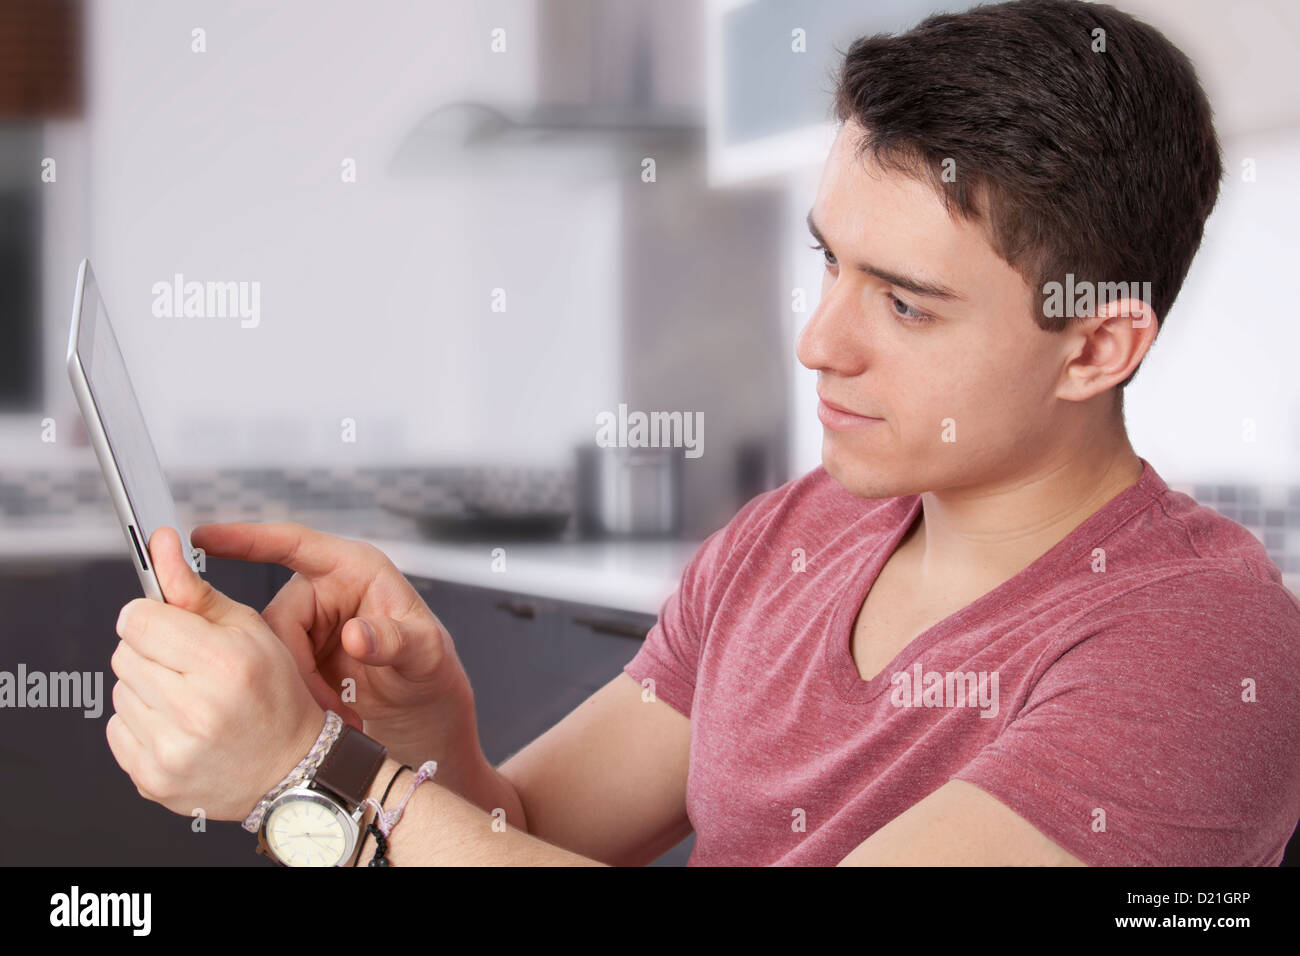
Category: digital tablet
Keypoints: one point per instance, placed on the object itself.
(136, 483)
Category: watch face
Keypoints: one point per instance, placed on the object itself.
(305, 829)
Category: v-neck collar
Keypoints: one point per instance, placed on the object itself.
(838, 642)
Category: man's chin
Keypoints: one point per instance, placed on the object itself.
(860, 478)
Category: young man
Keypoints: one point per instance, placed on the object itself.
(984, 632)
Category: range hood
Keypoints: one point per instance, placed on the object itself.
(615, 81)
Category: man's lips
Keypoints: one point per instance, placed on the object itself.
(847, 411)
(839, 419)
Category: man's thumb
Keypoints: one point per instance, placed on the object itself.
(181, 586)
(380, 641)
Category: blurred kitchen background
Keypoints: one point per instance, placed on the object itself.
(463, 258)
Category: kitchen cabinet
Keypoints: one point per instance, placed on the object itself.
(64, 800)
(532, 660)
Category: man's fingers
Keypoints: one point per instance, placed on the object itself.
(287, 543)
(180, 585)
(291, 614)
(380, 641)
(153, 682)
(177, 634)
(328, 698)
(165, 634)
(127, 750)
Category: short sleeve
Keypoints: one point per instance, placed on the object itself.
(670, 655)
(1168, 736)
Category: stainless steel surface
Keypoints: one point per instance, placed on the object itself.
(629, 491)
(611, 77)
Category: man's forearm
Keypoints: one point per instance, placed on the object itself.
(462, 768)
(487, 789)
(441, 828)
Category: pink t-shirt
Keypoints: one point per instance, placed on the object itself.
(1134, 693)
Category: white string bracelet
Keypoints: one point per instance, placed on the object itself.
(302, 773)
(386, 820)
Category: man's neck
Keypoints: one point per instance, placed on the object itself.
(972, 539)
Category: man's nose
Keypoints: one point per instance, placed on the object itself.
(831, 339)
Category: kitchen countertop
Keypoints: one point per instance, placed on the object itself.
(623, 575)
(634, 576)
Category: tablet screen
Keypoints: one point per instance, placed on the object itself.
(119, 412)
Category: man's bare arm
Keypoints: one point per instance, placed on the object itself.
(439, 828)
(607, 784)
(959, 825)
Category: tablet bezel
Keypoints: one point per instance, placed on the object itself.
(132, 530)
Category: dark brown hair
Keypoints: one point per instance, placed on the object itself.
(1104, 164)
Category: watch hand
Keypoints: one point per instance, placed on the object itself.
(326, 849)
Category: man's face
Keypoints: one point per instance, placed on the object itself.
(978, 371)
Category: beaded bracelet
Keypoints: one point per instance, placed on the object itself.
(305, 770)
(388, 819)
(387, 790)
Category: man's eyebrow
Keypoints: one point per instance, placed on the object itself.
(912, 284)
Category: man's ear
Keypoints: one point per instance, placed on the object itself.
(1137, 311)
(1136, 323)
(1117, 339)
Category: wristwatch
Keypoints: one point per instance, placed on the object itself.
(317, 824)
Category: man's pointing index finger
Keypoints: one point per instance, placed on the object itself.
(296, 546)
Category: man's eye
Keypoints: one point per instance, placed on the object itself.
(826, 253)
(907, 312)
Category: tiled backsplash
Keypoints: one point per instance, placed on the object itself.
(1270, 512)
(268, 494)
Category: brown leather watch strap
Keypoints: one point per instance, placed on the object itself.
(351, 766)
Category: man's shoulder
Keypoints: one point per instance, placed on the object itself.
(1201, 536)
(1206, 618)
(1178, 553)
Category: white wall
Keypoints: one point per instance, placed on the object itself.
(375, 296)
(1228, 356)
